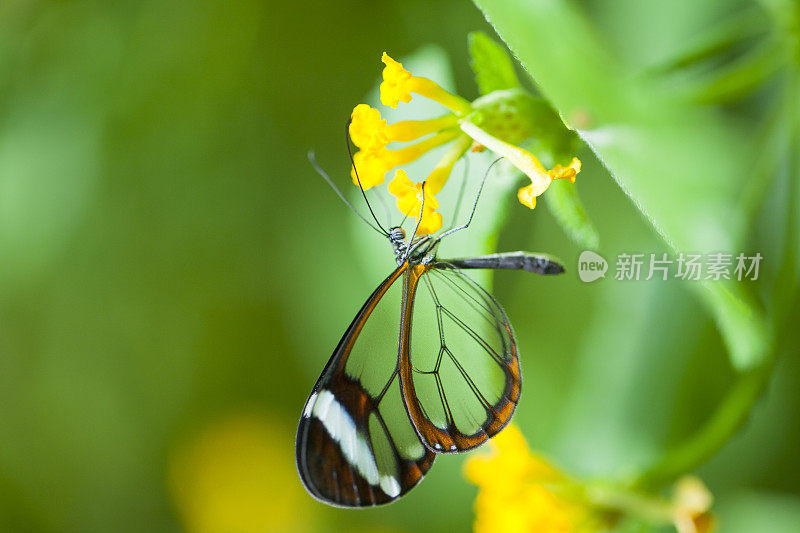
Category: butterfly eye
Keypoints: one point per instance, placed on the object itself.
(397, 234)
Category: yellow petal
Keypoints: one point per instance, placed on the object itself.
(440, 174)
(430, 198)
(431, 222)
(431, 89)
(408, 205)
(526, 196)
(232, 476)
(406, 192)
(409, 130)
(410, 202)
(569, 172)
(372, 166)
(395, 87)
(692, 496)
(367, 128)
(400, 184)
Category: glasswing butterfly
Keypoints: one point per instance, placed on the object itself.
(380, 413)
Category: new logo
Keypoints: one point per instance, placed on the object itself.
(591, 266)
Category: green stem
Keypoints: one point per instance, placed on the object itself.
(656, 511)
(723, 424)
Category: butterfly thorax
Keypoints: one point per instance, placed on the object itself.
(419, 251)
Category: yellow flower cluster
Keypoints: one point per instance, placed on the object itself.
(521, 492)
(374, 159)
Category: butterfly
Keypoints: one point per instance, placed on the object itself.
(443, 379)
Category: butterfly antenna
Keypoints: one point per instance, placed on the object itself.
(313, 160)
(460, 193)
(358, 179)
(474, 206)
(419, 220)
(403, 221)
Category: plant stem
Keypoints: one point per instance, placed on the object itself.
(654, 510)
(728, 418)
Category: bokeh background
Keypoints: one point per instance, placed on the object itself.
(174, 275)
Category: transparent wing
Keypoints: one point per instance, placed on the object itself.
(460, 374)
(355, 443)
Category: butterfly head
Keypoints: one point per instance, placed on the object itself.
(396, 236)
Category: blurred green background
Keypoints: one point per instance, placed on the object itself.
(174, 275)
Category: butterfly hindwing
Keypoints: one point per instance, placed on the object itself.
(461, 383)
(356, 446)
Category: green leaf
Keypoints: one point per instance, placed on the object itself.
(681, 164)
(493, 68)
(743, 76)
(719, 39)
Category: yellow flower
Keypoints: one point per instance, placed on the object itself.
(525, 161)
(367, 128)
(398, 84)
(372, 166)
(521, 492)
(539, 182)
(410, 202)
(373, 135)
(369, 131)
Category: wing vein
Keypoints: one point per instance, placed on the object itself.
(475, 390)
(386, 387)
(468, 297)
(480, 340)
(445, 404)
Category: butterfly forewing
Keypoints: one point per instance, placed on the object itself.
(459, 366)
(355, 444)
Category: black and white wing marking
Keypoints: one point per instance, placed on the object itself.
(356, 446)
